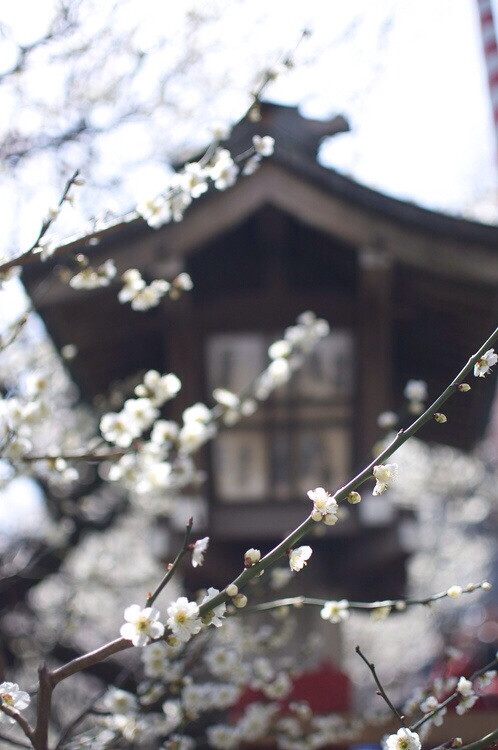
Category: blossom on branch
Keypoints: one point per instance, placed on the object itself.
(12, 697)
(199, 550)
(404, 739)
(216, 615)
(141, 625)
(384, 475)
(299, 557)
(335, 611)
(324, 506)
(483, 365)
(183, 619)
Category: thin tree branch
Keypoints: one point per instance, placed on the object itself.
(451, 697)
(68, 730)
(20, 260)
(45, 690)
(403, 435)
(488, 739)
(172, 569)
(298, 601)
(121, 644)
(19, 719)
(381, 691)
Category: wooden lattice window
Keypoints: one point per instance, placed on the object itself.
(299, 438)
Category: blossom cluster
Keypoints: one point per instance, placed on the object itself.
(220, 170)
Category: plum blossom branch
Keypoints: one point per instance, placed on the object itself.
(399, 604)
(453, 695)
(174, 565)
(27, 255)
(48, 680)
(486, 741)
(381, 690)
(342, 494)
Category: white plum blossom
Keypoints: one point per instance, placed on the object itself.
(119, 701)
(141, 412)
(183, 619)
(158, 388)
(226, 398)
(384, 474)
(483, 365)
(93, 278)
(404, 739)
(466, 703)
(251, 557)
(136, 291)
(164, 432)
(223, 171)
(280, 577)
(429, 705)
(324, 506)
(119, 429)
(335, 611)
(156, 211)
(416, 390)
(197, 413)
(263, 145)
(380, 611)
(180, 742)
(221, 661)
(222, 737)
(387, 419)
(142, 625)
(278, 688)
(464, 687)
(299, 557)
(193, 179)
(199, 550)
(486, 679)
(13, 698)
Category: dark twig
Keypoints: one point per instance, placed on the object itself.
(381, 691)
(171, 570)
(69, 729)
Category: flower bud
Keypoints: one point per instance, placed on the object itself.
(454, 592)
(353, 498)
(464, 387)
(240, 600)
(440, 418)
(251, 557)
(486, 586)
(232, 589)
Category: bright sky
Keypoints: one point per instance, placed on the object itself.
(409, 76)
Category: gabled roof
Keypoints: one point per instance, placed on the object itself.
(293, 181)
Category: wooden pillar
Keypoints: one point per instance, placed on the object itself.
(374, 355)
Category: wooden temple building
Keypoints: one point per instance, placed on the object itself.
(408, 293)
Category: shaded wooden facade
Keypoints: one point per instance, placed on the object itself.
(413, 292)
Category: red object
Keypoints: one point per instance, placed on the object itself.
(326, 689)
(490, 49)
